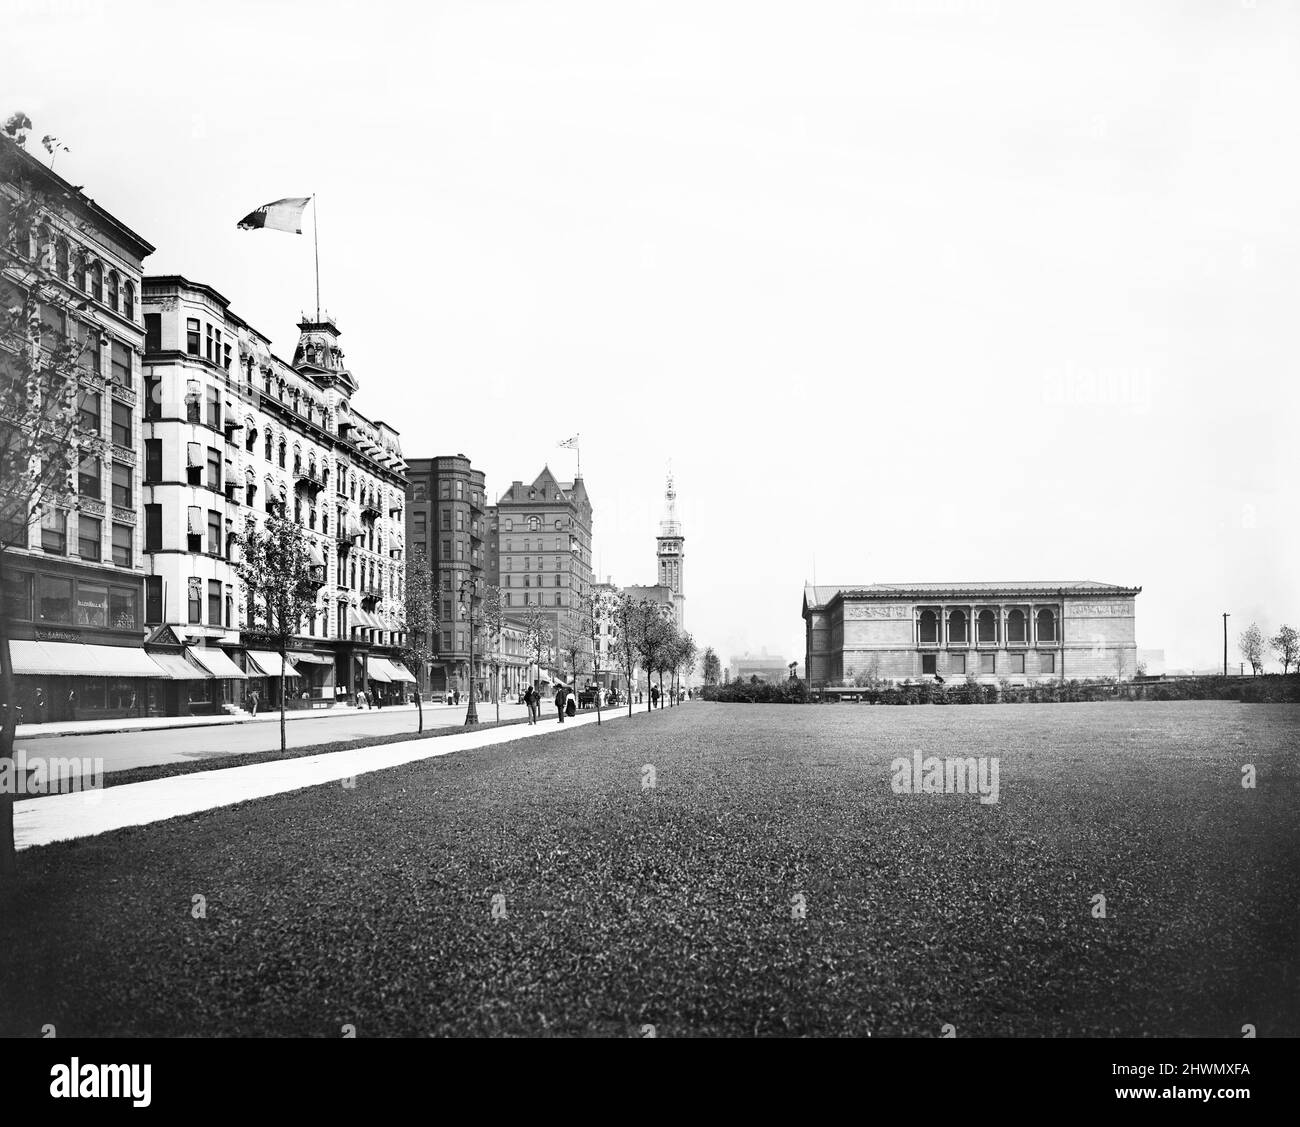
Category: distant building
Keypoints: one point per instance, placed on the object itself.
(1020, 631)
(671, 555)
(764, 666)
(447, 517)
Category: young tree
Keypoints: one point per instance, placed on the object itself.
(685, 662)
(712, 667)
(571, 647)
(493, 617)
(42, 373)
(1251, 644)
(281, 584)
(420, 606)
(1286, 644)
(625, 618)
(648, 637)
(597, 608)
(538, 637)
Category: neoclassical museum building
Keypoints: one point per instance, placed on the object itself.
(923, 631)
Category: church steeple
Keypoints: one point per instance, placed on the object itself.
(671, 553)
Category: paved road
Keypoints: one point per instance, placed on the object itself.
(121, 751)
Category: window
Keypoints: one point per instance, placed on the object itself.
(17, 603)
(54, 531)
(534, 524)
(1047, 663)
(557, 581)
(987, 663)
(112, 289)
(88, 416)
(122, 485)
(1046, 626)
(214, 408)
(225, 356)
(192, 336)
(527, 561)
(510, 525)
(121, 424)
(559, 600)
(153, 528)
(268, 444)
(207, 343)
(193, 394)
(61, 264)
(153, 459)
(152, 397)
(214, 532)
(986, 626)
(122, 536)
(128, 301)
(1016, 663)
(90, 531)
(92, 604)
(196, 602)
(55, 599)
(446, 549)
(508, 602)
(214, 602)
(446, 609)
(929, 628)
(153, 600)
(1016, 627)
(956, 663)
(88, 478)
(957, 626)
(214, 468)
(284, 449)
(121, 364)
(97, 282)
(557, 529)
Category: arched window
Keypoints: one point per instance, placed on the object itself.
(250, 434)
(112, 290)
(557, 526)
(62, 264)
(81, 275)
(284, 452)
(268, 444)
(929, 628)
(559, 600)
(986, 626)
(1016, 626)
(1046, 625)
(957, 626)
(297, 459)
(97, 282)
(534, 524)
(128, 301)
(510, 525)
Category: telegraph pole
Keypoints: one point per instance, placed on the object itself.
(1225, 645)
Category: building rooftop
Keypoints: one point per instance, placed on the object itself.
(820, 595)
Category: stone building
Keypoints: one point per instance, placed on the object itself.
(74, 574)
(447, 519)
(233, 432)
(670, 553)
(1020, 631)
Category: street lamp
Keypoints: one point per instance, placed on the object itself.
(471, 585)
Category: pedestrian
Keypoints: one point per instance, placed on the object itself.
(38, 708)
(361, 699)
(560, 701)
(254, 700)
(456, 697)
(528, 701)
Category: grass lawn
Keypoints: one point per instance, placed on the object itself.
(673, 905)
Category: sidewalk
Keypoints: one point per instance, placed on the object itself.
(61, 817)
(153, 723)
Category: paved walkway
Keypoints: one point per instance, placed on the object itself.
(61, 817)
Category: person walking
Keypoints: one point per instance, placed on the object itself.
(531, 702)
(253, 701)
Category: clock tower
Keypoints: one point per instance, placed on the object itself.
(671, 552)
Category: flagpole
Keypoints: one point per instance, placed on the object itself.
(315, 238)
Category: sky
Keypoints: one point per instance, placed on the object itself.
(917, 290)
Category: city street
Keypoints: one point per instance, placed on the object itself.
(121, 751)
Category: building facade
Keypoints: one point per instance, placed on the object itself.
(670, 555)
(447, 518)
(540, 556)
(1019, 631)
(766, 667)
(74, 574)
(232, 433)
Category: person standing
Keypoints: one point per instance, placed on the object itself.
(561, 697)
(530, 701)
(253, 701)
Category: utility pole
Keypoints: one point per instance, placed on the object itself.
(471, 715)
(1225, 645)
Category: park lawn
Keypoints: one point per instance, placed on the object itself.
(674, 905)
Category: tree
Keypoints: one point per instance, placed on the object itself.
(626, 616)
(571, 647)
(493, 617)
(538, 637)
(281, 584)
(1286, 644)
(420, 606)
(42, 374)
(648, 635)
(711, 666)
(1251, 644)
(597, 608)
(686, 657)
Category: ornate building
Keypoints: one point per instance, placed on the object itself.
(1020, 631)
(671, 554)
(232, 432)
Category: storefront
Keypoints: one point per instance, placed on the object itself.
(226, 678)
(268, 678)
(316, 677)
(58, 681)
(390, 680)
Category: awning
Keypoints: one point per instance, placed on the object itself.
(395, 669)
(267, 664)
(360, 618)
(315, 659)
(217, 663)
(314, 555)
(79, 659)
(376, 670)
(177, 668)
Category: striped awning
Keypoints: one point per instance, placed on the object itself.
(297, 656)
(267, 664)
(396, 670)
(217, 663)
(176, 668)
(377, 670)
(79, 659)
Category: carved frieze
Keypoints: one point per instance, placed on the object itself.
(875, 611)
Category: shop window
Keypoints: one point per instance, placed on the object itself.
(55, 599)
(92, 604)
(18, 587)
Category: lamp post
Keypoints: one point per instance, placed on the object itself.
(471, 585)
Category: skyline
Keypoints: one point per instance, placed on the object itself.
(1039, 338)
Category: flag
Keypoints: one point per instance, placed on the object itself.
(283, 215)
(570, 443)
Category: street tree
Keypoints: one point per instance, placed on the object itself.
(598, 610)
(420, 607)
(711, 666)
(280, 583)
(1286, 644)
(625, 617)
(686, 658)
(44, 374)
(493, 615)
(539, 638)
(1251, 644)
(571, 647)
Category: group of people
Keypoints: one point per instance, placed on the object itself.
(565, 704)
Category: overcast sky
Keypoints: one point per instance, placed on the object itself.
(922, 290)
